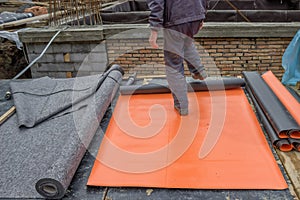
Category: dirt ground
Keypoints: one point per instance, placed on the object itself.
(12, 60)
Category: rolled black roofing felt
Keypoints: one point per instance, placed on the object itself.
(295, 143)
(281, 144)
(294, 93)
(279, 117)
(41, 161)
(208, 84)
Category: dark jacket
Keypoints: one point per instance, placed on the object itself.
(167, 13)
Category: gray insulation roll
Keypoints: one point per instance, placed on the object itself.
(41, 161)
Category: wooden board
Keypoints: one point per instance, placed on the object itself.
(291, 163)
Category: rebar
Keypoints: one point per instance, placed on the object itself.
(74, 12)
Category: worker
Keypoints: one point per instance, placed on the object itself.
(180, 20)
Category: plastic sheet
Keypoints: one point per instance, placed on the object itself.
(12, 36)
(291, 62)
(41, 161)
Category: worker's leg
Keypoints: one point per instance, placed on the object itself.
(193, 60)
(173, 54)
(192, 57)
(191, 54)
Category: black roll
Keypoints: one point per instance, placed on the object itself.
(50, 188)
(294, 93)
(195, 86)
(282, 144)
(150, 88)
(295, 143)
(217, 84)
(279, 117)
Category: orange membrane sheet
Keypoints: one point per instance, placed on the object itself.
(219, 145)
(291, 104)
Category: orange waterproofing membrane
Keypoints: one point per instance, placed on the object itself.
(291, 104)
(219, 145)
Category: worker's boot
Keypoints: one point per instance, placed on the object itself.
(181, 111)
(200, 75)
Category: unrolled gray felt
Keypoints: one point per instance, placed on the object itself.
(41, 161)
(39, 99)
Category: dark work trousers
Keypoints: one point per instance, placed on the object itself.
(179, 46)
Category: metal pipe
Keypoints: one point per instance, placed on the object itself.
(43, 52)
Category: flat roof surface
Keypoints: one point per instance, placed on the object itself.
(79, 190)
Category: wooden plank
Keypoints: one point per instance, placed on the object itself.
(6, 115)
(291, 163)
(298, 85)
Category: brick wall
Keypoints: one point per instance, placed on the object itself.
(226, 49)
(134, 55)
(63, 60)
(221, 56)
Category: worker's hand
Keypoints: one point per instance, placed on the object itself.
(153, 39)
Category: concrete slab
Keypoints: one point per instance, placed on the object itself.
(79, 190)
